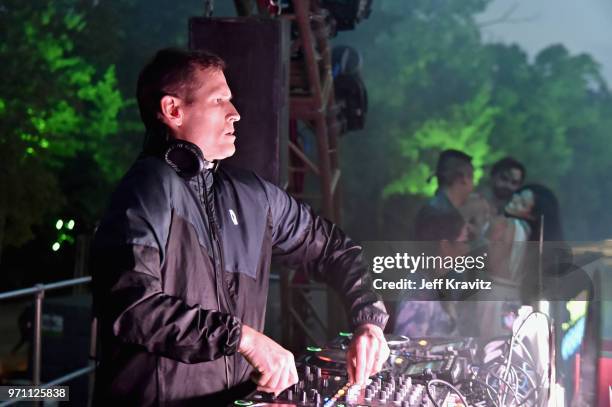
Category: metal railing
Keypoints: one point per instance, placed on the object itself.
(38, 291)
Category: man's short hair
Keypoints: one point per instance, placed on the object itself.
(171, 72)
(508, 163)
(452, 165)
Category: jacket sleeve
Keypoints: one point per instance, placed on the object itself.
(128, 295)
(303, 239)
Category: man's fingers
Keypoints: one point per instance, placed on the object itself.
(379, 362)
(276, 380)
(362, 356)
(261, 378)
(372, 356)
(381, 356)
(350, 366)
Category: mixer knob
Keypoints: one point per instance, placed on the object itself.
(382, 396)
(289, 394)
(398, 396)
(317, 372)
(325, 382)
(317, 399)
(304, 397)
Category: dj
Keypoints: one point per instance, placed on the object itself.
(181, 259)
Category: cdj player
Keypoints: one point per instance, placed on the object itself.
(323, 380)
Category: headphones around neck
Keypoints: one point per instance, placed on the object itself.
(184, 157)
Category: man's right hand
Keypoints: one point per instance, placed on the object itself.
(274, 365)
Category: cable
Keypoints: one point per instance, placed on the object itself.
(531, 381)
(514, 337)
(489, 372)
(489, 388)
(444, 382)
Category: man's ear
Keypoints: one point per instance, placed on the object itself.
(171, 111)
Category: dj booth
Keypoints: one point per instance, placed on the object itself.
(422, 372)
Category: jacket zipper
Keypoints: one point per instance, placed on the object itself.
(218, 279)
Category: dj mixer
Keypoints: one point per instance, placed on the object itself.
(323, 380)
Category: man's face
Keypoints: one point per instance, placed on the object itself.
(506, 182)
(208, 121)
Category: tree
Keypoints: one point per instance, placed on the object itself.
(434, 84)
(55, 105)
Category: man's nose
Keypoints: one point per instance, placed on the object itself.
(234, 116)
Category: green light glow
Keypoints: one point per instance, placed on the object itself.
(55, 247)
(242, 403)
(70, 224)
(345, 334)
(313, 349)
(59, 224)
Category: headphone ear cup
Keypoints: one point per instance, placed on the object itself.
(186, 158)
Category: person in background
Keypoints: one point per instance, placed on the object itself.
(423, 314)
(490, 199)
(514, 254)
(507, 175)
(522, 222)
(455, 175)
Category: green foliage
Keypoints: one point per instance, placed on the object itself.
(56, 105)
(434, 84)
(466, 127)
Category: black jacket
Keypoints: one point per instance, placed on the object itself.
(179, 265)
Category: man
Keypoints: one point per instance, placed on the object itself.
(455, 176)
(182, 256)
(507, 175)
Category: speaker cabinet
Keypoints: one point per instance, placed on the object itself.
(257, 55)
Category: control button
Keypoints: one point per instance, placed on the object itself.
(242, 403)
